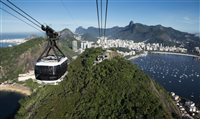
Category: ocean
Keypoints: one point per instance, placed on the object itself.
(10, 36)
(9, 104)
(179, 74)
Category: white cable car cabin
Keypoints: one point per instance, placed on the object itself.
(51, 67)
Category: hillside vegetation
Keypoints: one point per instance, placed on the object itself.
(111, 89)
(18, 59)
(21, 58)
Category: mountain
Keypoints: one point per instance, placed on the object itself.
(20, 58)
(89, 34)
(197, 35)
(114, 88)
(150, 34)
(68, 36)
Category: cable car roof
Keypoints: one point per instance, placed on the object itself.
(51, 62)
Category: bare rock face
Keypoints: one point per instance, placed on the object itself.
(2, 74)
(131, 24)
(20, 59)
(28, 59)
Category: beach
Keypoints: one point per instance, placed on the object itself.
(139, 55)
(15, 41)
(15, 88)
(168, 53)
(173, 53)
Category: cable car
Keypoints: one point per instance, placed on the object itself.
(51, 67)
(48, 67)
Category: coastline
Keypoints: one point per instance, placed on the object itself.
(16, 88)
(16, 41)
(167, 53)
(173, 53)
(137, 56)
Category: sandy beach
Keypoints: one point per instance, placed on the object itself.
(174, 53)
(15, 88)
(16, 41)
(157, 52)
(139, 55)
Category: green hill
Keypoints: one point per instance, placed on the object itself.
(111, 89)
(18, 59)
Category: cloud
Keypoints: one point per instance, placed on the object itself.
(189, 20)
(186, 18)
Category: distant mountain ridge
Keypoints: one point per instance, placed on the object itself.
(140, 32)
(66, 33)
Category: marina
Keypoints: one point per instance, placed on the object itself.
(177, 73)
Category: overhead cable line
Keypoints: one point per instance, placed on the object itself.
(67, 10)
(24, 12)
(102, 31)
(101, 20)
(106, 14)
(20, 14)
(20, 19)
(98, 18)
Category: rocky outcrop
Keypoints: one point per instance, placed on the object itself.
(2, 74)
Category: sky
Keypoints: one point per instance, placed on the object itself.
(183, 15)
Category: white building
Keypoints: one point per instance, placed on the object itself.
(74, 46)
(197, 49)
(86, 44)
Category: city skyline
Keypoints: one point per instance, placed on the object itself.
(182, 15)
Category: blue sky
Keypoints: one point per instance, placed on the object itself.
(183, 15)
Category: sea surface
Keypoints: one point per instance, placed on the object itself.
(9, 104)
(179, 74)
(10, 36)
